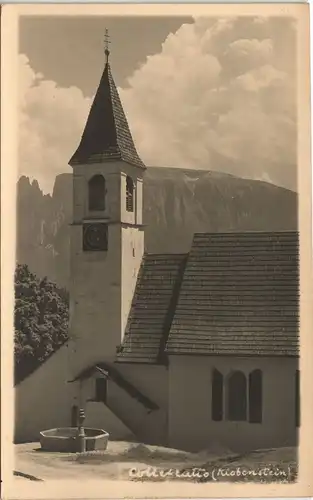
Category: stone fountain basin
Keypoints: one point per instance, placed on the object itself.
(63, 439)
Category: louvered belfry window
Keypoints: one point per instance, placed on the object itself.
(129, 194)
(96, 193)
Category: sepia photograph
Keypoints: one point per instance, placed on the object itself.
(157, 294)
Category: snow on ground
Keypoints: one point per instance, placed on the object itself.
(138, 462)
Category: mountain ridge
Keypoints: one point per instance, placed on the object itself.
(177, 203)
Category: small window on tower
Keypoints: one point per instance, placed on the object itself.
(129, 194)
(96, 193)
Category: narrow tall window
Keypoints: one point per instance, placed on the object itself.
(96, 193)
(129, 194)
(237, 397)
(297, 398)
(217, 396)
(101, 390)
(255, 397)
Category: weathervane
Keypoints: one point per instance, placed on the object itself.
(106, 44)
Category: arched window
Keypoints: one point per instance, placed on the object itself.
(297, 398)
(96, 193)
(129, 194)
(255, 397)
(237, 397)
(217, 396)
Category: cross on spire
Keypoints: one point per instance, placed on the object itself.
(106, 44)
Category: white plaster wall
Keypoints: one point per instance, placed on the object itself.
(139, 201)
(151, 380)
(148, 426)
(190, 423)
(95, 324)
(132, 242)
(43, 400)
(102, 283)
(79, 196)
(99, 416)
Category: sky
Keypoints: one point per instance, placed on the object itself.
(208, 93)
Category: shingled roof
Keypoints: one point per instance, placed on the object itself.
(239, 296)
(152, 308)
(106, 136)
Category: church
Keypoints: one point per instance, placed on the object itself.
(179, 350)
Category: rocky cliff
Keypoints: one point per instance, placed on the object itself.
(177, 203)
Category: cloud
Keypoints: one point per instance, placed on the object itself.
(51, 121)
(219, 96)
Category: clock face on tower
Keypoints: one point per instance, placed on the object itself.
(95, 237)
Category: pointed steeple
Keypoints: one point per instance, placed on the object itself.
(106, 136)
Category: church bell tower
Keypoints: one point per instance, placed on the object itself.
(107, 237)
